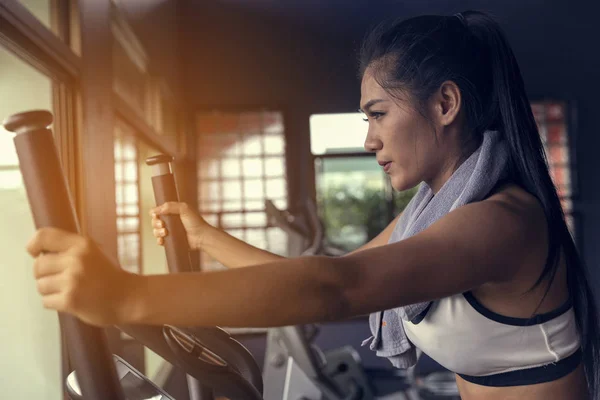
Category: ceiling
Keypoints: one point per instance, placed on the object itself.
(354, 17)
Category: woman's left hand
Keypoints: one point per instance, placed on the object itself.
(74, 276)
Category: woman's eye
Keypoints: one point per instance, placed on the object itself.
(373, 115)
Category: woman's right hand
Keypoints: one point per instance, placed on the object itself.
(195, 226)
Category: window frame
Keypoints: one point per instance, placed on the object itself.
(22, 34)
(571, 126)
(263, 177)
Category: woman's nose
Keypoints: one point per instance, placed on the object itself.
(372, 144)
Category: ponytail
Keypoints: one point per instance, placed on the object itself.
(511, 107)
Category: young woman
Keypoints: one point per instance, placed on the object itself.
(505, 266)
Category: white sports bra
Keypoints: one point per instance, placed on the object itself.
(490, 349)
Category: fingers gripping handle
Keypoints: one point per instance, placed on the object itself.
(51, 206)
(165, 190)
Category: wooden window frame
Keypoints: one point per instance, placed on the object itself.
(26, 37)
(263, 177)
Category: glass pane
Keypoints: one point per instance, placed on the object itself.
(556, 134)
(274, 144)
(209, 191)
(31, 358)
(40, 9)
(276, 188)
(237, 233)
(228, 144)
(257, 238)
(234, 220)
(130, 192)
(253, 167)
(275, 167)
(230, 168)
(254, 204)
(558, 154)
(273, 123)
(129, 150)
(212, 219)
(232, 190)
(232, 205)
(253, 189)
(256, 219)
(118, 172)
(128, 247)
(335, 133)
(352, 201)
(252, 145)
(119, 194)
(131, 209)
(118, 149)
(209, 168)
(210, 206)
(277, 241)
(282, 204)
(128, 224)
(130, 170)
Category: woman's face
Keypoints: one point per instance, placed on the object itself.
(410, 147)
(403, 140)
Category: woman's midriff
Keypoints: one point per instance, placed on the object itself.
(570, 387)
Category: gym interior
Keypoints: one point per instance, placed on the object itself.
(256, 101)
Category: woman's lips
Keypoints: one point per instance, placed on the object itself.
(386, 165)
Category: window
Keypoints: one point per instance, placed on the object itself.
(242, 163)
(127, 198)
(552, 120)
(31, 358)
(354, 196)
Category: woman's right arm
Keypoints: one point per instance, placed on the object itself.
(232, 252)
(226, 249)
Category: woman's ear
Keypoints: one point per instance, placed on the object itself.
(446, 103)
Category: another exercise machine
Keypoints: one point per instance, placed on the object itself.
(293, 357)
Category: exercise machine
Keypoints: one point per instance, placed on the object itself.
(293, 362)
(209, 355)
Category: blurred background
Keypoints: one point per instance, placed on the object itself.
(256, 100)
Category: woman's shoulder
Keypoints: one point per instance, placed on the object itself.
(519, 201)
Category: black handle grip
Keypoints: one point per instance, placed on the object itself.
(176, 243)
(51, 206)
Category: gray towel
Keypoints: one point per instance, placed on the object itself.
(471, 182)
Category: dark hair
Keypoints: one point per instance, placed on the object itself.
(417, 55)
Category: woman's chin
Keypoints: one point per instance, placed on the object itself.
(401, 184)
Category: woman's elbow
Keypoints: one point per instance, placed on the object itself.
(339, 280)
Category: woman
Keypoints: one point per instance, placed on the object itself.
(435, 90)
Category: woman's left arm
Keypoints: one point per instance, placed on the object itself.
(478, 243)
